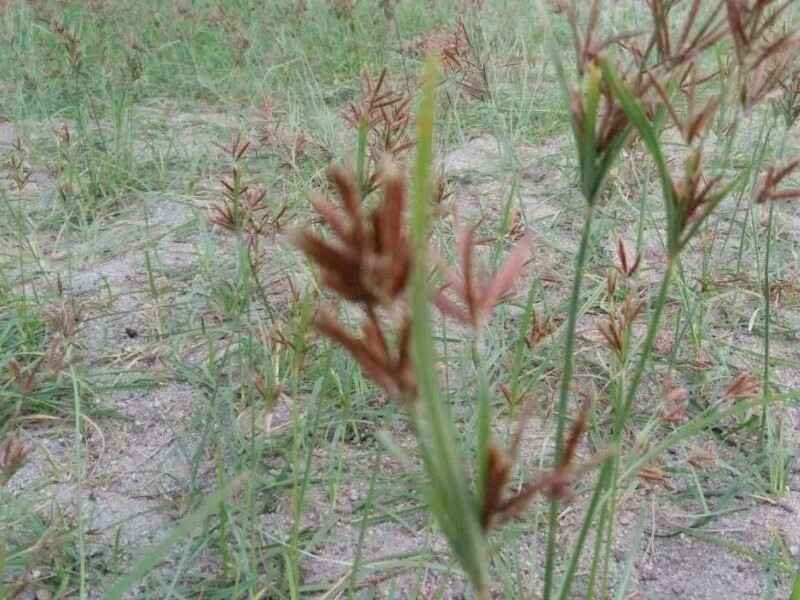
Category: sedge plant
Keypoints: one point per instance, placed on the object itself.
(642, 94)
(383, 267)
(381, 263)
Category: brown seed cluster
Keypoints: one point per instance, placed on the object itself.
(386, 115)
(767, 189)
(13, 456)
(368, 262)
(554, 484)
(462, 60)
(477, 296)
(28, 377)
(245, 210)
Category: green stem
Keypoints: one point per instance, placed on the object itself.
(566, 381)
(796, 587)
(449, 494)
(361, 156)
(776, 468)
(598, 543)
(647, 347)
(79, 471)
(765, 387)
(624, 407)
(572, 566)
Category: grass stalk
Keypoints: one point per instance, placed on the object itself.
(78, 440)
(597, 500)
(796, 587)
(772, 447)
(450, 499)
(767, 319)
(564, 390)
(647, 348)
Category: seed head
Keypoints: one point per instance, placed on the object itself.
(13, 455)
(369, 260)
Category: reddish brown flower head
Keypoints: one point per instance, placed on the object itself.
(674, 402)
(767, 190)
(476, 296)
(386, 115)
(389, 368)
(13, 455)
(744, 386)
(369, 259)
(554, 483)
(624, 265)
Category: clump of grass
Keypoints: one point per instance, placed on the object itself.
(38, 550)
(462, 60)
(343, 9)
(770, 191)
(290, 144)
(608, 104)
(35, 358)
(626, 91)
(18, 169)
(70, 42)
(370, 266)
(246, 212)
(242, 209)
(690, 198)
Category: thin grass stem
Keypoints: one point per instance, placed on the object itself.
(566, 382)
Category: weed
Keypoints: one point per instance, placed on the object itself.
(35, 360)
(371, 268)
(19, 171)
(647, 367)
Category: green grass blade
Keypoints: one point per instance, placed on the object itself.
(564, 390)
(572, 565)
(637, 116)
(627, 570)
(451, 500)
(796, 587)
(361, 153)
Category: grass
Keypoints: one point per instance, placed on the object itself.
(601, 402)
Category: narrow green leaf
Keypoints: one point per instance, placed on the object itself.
(450, 498)
(483, 426)
(586, 138)
(643, 125)
(361, 156)
(796, 587)
(627, 570)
